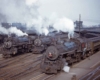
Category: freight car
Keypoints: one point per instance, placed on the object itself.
(14, 45)
(73, 50)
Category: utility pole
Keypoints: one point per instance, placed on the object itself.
(79, 23)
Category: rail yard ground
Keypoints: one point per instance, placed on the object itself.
(27, 67)
(82, 69)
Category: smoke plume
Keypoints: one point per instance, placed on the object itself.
(65, 25)
(16, 31)
(26, 11)
(10, 30)
(3, 30)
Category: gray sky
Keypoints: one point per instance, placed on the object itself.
(89, 9)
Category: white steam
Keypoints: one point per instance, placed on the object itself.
(45, 31)
(26, 11)
(66, 68)
(10, 30)
(16, 31)
(65, 25)
(3, 30)
(30, 2)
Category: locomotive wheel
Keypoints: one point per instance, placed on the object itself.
(4, 55)
(28, 50)
(22, 50)
(88, 54)
(78, 57)
(84, 56)
(13, 50)
(7, 55)
(71, 61)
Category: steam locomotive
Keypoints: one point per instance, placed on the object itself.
(70, 51)
(14, 45)
(42, 42)
(23, 44)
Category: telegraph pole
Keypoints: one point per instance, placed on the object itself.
(79, 23)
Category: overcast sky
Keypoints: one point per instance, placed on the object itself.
(16, 9)
(89, 9)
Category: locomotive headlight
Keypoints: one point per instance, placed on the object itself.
(50, 55)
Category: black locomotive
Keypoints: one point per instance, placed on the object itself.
(70, 51)
(14, 45)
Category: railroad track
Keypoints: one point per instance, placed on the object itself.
(23, 66)
(25, 71)
(15, 60)
(21, 71)
(42, 76)
(29, 63)
(10, 60)
(93, 75)
(20, 67)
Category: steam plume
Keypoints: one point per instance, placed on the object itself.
(14, 30)
(64, 24)
(66, 68)
(26, 11)
(3, 30)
